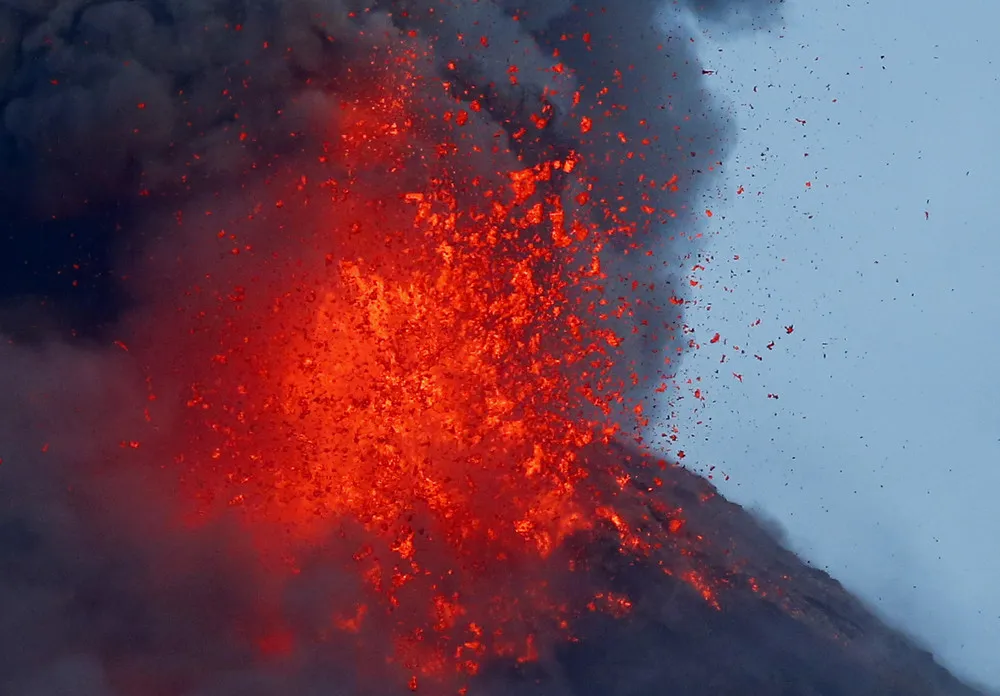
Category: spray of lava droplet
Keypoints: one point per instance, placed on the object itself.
(417, 387)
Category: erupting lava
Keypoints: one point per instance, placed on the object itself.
(368, 303)
(419, 388)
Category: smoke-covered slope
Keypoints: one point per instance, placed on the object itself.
(798, 633)
(110, 603)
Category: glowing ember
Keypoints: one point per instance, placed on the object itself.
(422, 396)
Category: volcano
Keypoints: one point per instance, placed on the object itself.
(357, 314)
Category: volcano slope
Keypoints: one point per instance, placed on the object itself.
(718, 609)
(772, 624)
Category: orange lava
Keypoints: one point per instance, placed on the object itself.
(418, 392)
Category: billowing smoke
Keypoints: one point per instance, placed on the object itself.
(112, 108)
(137, 134)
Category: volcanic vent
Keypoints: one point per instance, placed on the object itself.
(392, 282)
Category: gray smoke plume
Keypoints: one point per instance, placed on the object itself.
(121, 118)
(113, 104)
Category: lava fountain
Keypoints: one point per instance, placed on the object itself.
(418, 379)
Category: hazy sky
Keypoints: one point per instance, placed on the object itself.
(881, 455)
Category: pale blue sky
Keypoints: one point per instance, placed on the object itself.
(882, 459)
